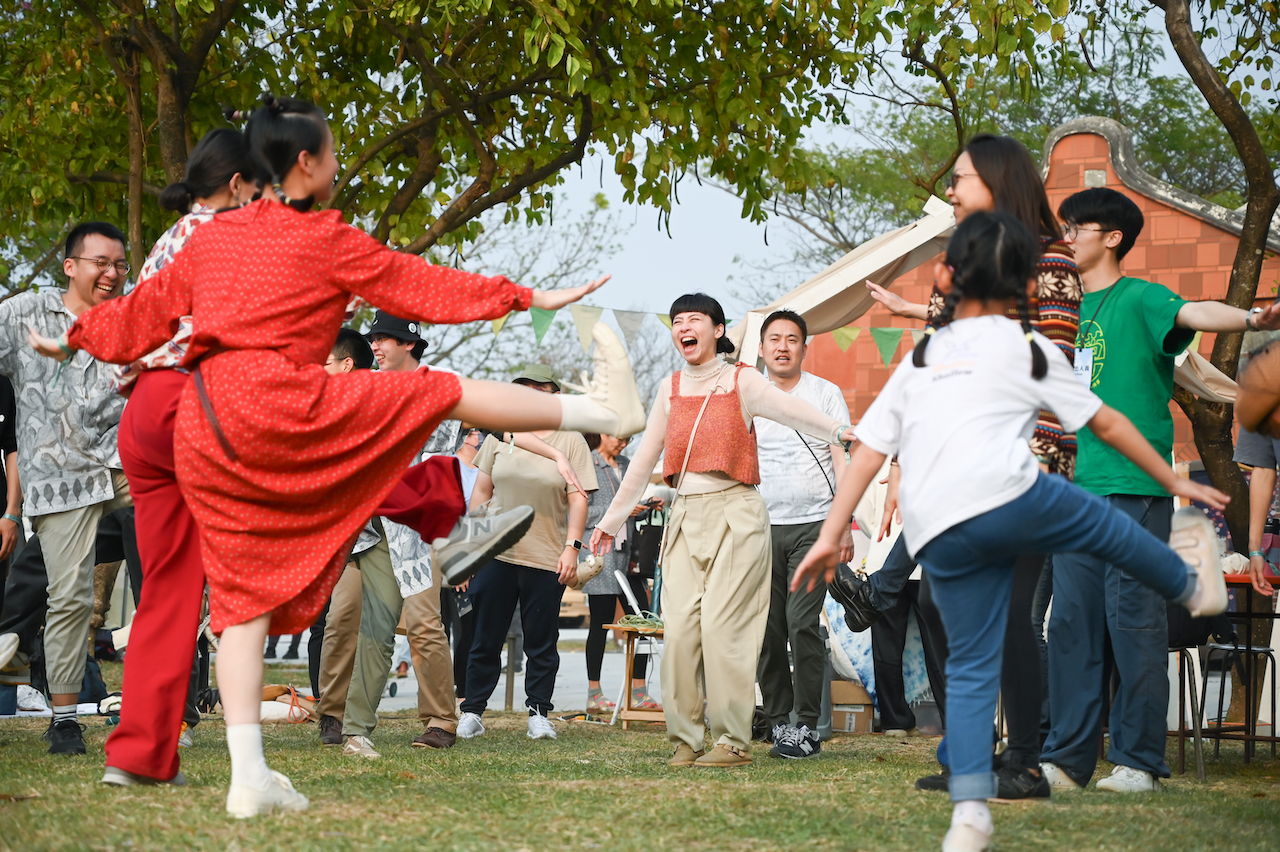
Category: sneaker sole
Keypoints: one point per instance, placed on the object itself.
(1191, 520)
(461, 568)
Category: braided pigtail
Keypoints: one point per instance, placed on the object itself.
(948, 312)
(1039, 366)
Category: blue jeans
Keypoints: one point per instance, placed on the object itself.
(496, 591)
(1093, 600)
(971, 569)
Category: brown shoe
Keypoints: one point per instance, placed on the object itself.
(684, 756)
(330, 731)
(723, 756)
(435, 738)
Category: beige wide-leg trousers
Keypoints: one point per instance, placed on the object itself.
(715, 604)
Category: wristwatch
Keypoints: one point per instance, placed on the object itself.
(1248, 318)
(576, 544)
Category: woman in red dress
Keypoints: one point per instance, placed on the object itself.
(280, 463)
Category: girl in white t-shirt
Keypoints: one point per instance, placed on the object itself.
(958, 416)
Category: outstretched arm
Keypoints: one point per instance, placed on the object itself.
(537, 446)
(1114, 428)
(821, 560)
(1215, 316)
(762, 398)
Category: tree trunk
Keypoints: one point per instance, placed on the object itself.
(171, 124)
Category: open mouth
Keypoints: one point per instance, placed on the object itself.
(104, 288)
(688, 344)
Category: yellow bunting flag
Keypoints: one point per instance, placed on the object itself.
(666, 320)
(845, 336)
(585, 318)
(499, 323)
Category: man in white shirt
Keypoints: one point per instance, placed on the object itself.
(798, 478)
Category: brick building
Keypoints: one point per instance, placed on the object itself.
(1187, 244)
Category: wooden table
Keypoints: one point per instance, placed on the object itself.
(626, 712)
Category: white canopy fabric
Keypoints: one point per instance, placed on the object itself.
(836, 297)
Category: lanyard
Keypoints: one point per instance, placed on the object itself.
(1096, 310)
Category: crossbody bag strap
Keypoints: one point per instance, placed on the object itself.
(821, 469)
(662, 545)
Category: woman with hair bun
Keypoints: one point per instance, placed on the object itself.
(715, 569)
(281, 463)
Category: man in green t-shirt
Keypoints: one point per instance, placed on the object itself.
(1130, 332)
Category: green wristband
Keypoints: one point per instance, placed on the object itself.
(1252, 553)
(17, 520)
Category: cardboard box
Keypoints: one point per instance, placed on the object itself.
(851, 718)
(848, 692)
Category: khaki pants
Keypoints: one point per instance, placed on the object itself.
(338, 652)
(715, 604)
(432, 664)
(67, 539)
(379, 614)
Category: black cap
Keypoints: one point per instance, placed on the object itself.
(401, 329)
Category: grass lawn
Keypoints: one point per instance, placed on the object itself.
(594, 788)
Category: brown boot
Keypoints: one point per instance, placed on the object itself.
(684, 756)
(724, 756)
(435, 738)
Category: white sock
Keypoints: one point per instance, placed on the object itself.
(248, 766)
(973, 812)
(62, 712)
(583, 414)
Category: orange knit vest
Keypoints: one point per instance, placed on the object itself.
(723, 443)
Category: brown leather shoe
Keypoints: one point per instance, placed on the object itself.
(435, 738)
(724, 756)
(684, 756)
(330, 731)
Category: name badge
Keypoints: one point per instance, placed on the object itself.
(1084, 366)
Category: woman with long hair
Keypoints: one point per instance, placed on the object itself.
(998, 173)
(282, 464)
(715, 569)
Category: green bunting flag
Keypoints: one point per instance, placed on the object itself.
(499, 323)
(542, 320)
(887, 340)
(845, 336)
(585, 318)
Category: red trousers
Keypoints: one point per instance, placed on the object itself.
(162, 641)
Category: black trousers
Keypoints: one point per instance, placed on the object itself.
(496, 592)
(889, 638)
(1022, 684)
(603, 608)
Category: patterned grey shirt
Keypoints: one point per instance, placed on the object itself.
(410, 555)
(66, 431)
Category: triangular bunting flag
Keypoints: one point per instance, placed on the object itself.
(499, 323)
(887, 340)
(585, 318)
(917, 334)
(629, 322)
(666, 319)
(542, 320)
(845, 336)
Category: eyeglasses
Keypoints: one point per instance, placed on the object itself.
(104, 262)
(955, 177)
(1071, 231)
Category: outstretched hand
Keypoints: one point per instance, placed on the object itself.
(1268, 319)
(554, 300)
(818, 564)
(1190, 490)
(46, 346)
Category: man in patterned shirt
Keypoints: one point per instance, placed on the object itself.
(67, 459)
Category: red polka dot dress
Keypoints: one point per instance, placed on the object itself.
(314, 454)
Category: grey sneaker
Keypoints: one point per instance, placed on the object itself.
(796, 743)
(477, 539)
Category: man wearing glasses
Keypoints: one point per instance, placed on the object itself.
(68, 416)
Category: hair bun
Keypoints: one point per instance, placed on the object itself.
(236, 115)
(269, 101)
(177, 197)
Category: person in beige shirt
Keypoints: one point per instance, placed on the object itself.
(531, 574)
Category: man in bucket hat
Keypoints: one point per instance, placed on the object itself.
(397, 343)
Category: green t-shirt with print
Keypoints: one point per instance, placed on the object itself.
(1130, 330)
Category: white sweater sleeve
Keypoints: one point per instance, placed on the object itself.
(761, 398)
(637, 478)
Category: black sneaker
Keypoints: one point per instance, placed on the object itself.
(795, 743)
(330, 731)
(65, 736)
(940, 783)
(1018, 783)
(854, 594)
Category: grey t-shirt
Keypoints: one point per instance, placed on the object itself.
(1256, 450)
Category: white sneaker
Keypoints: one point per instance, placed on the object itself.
(8, 647)
(1126, 779)
(540, 728)
(30, 699)
(613, 384)
(117, 777)
(469, 726)
(1196, 541)
(358, 746)
(1058, 780)
(244, 802)
(963, 837)
(476, 539)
